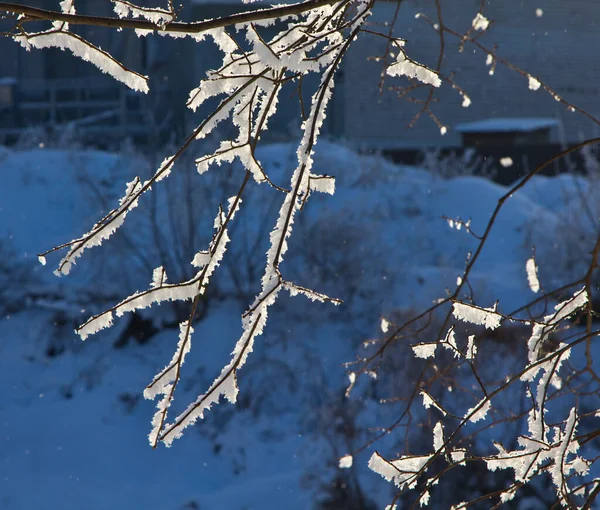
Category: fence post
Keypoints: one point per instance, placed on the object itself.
(52, 97)
(79, 86)
(122, 108)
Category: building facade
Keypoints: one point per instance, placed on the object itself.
(552, 40)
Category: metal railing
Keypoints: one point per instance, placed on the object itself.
(96, 106)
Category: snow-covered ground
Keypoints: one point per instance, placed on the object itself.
(73, 425)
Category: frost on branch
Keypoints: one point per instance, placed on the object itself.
(438, 436)
(160, 291)
(164, 382)
(428, 402)
(60, 37)
(550, 441)
(487, 317)
(406, 471)
(156, 15)
(425, 350)
(532, 275)
(159, 277)
(254, 320)
(480, 22)
(558, 456)
(248, 84)
(346, 462)
(404, 66)
(542, 330)
(322, 184)
(385, 325)
(102, 230)
(403, 472)
(479, 412)
(534, 83)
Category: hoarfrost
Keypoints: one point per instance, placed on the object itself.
(458, 455)
(438, 436)
(449, 342)
(164, 382)
(424, 351)
(402, 472)
(532, 275)
(322, 184)
(480, 22)
(471, 348)
(534, 83)
(155, 15)
(86, 51)
(487, 317)
(159, 277)
(102, 230)
(428, 402)
(479, 412)
(411, 69)
(346, 462)
(385, 325)
(102, 322)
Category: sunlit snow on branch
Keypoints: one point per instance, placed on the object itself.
(88, 52)
(404, 66)
(532, 275)
(480, 22)
(534, 83)
(487, 317)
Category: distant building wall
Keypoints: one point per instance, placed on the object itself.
(555, 47)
